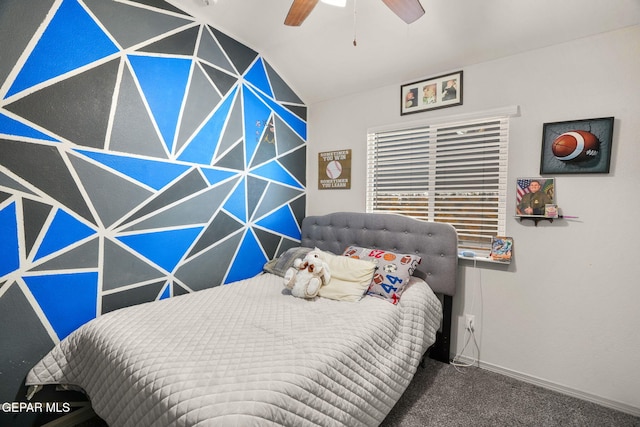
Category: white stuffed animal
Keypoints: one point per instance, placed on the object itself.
(307, 275)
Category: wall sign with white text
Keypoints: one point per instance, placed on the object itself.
(334, 170)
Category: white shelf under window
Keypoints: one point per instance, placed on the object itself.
(482, 259)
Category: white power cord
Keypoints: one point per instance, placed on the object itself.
(469, 334)
(456, 363)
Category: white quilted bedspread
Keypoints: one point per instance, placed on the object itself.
(247, 354)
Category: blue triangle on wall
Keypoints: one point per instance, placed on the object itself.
(164, 248)
(156, 174)
(63, 231)
(203, 146)
(68, 300)
(9, 248)
(166, 293)
(13, 127)
(236, 204)
(256, 117)
(214, 175)
(60, 50)
(298, 125)
(164, 83)
(274, 171)
(281, 221)
(248, 261)
(257, 76)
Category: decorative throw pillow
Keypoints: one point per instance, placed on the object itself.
(281, 264)
(393, 271)
(350, 278)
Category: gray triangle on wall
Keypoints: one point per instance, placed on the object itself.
(221, 226)
(123, 21)
(35, 214)
(187, 185)
(84, 256)
(133, 131)
(209, 268)
(195, 210)
(201, 98)
(281, 89)
(122, 268)
(240, 55)
(210, 51)
(87, 97)
(111, 195)
(24, 340)
(132, 296)
(182, 43)
(36, 164)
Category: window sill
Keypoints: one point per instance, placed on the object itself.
(482, 259)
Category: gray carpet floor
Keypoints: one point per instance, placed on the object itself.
(442, 396)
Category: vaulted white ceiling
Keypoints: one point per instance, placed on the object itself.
(319, 61)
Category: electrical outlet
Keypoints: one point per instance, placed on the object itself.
(469, 322)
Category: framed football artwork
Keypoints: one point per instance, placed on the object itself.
(577, 146)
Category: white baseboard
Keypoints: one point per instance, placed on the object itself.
(618, 406)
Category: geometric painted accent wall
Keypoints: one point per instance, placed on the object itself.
(143, 155)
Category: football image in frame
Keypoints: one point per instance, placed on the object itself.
(577, 146)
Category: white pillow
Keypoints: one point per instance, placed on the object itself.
(350, 277)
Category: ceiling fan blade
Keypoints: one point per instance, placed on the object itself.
(407, 10)
(299, 11)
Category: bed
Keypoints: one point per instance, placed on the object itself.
(249, 353)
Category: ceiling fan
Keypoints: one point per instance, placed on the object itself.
(407, 10)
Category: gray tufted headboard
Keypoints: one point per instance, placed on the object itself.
(436, 243)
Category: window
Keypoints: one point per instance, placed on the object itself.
(453, 171)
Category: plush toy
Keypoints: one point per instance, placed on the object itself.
(307, 275)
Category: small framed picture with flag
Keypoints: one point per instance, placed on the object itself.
(533, 195)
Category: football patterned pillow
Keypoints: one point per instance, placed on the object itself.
(392, 273)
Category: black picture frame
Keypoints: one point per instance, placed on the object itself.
(431, 94)
(568, 147)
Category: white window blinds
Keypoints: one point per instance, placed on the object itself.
(450, 172)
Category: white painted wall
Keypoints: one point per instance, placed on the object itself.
(566, 312)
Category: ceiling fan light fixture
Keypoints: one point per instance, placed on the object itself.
(339, 3)
(407, 10)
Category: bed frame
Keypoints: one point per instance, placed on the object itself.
(435, 242)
